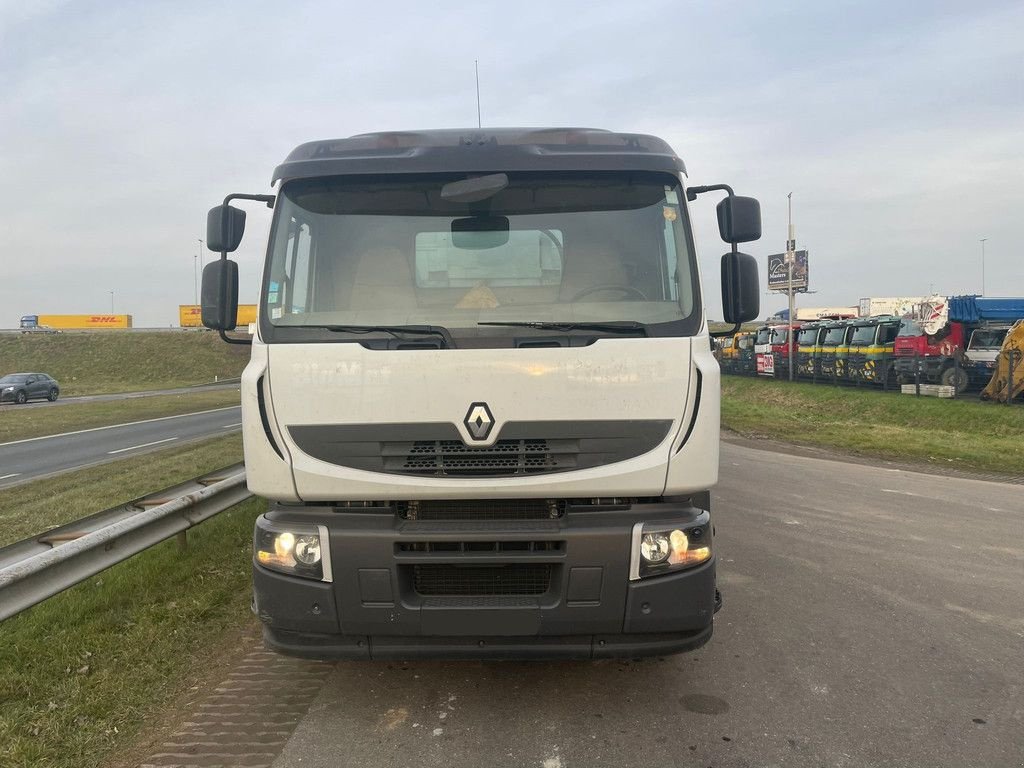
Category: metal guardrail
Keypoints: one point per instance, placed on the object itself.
(41, 566)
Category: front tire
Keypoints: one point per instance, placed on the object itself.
(21, 398)
(53, 395)
(955, 377)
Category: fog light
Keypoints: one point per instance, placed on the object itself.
(307, 550)
(654, 547)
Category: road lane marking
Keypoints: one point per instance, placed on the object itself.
(144, 445)
(229, 426)
(114, 426)
(8, 477)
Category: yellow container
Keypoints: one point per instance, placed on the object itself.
(85, 322)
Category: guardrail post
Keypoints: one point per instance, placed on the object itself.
(183, 541)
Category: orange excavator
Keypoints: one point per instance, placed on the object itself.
(1004, 386)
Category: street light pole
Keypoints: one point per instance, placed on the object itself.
(790, 259)
(983, 265)
(195, 276)
(111, 301)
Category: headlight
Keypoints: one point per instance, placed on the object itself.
(8, 389)
(297, 549)
(665, 548)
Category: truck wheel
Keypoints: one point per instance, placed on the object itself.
(955, 377)
(21, 398)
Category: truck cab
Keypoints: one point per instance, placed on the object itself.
(982, 352)
(933, 354)
(482, 401)
(764, 361)
(809, 345)
(870, 356)
(834, 349)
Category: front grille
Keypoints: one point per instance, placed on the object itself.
(472, 547)
(452, 458)
(484, 509)
(469, 580)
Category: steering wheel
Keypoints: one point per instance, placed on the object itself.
(622, 288)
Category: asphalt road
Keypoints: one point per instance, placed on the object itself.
(872, 617)
(123, 396)
(24, 460)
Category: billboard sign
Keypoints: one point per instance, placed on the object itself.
(778, 272)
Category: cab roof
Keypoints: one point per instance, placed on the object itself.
(476, 150)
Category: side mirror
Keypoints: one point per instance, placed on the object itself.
(220, 295)
(224, 228)
(739, 219)
(741, 293)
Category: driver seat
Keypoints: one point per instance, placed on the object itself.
(589, 265)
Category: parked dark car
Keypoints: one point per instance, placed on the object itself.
(22, 387)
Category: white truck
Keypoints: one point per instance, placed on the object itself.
(482, 400)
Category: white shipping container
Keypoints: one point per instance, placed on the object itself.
(891, 305)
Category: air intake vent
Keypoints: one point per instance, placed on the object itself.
(477, 547)
(483, 509)
(454, 458)
(467, 581)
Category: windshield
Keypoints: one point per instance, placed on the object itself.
(807, 337)
(910, 327)
(763, 335)
(863, 334)
(13, 378)
(779, 336)
(989, 338)
(835, 336)
(561, 248)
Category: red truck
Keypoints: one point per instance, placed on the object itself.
(772, 352)
(954, 341)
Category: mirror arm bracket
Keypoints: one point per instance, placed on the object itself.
(243, 342)
(692, 192)
(269, 200)
(723, 334)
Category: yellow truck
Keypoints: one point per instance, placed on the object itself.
(191, 316)
(74, 322)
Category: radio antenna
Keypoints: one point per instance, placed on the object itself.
(476, 65)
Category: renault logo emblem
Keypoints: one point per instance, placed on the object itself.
(479, 421)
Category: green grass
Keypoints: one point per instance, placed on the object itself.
(123, 361)
(957, 433)
(84, 672)
(35, 507)
(17, 423)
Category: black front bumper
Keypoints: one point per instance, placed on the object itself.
(589, 607)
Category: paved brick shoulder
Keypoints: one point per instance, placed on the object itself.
(247, 718)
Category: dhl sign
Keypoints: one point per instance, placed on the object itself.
(85, 322)
(191, 315)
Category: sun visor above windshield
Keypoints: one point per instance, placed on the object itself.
(479, 151)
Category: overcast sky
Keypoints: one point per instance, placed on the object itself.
(899, 127)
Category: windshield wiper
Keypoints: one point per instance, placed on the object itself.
(615, 326)
(398, 331)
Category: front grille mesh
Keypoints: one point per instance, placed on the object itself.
(475, 547)
(483, 509)
(504, 458)
(472, 581)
